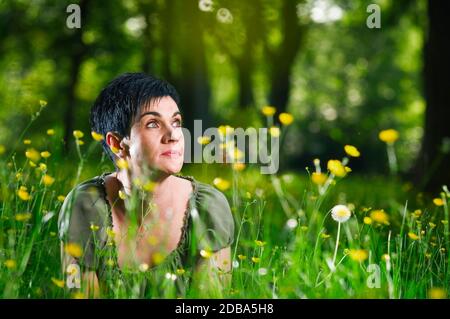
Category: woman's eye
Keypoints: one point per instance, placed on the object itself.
(152, 124)
(177, 123)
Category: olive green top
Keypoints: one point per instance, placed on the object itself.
(85, 219)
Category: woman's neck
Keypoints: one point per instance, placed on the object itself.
(162, 181)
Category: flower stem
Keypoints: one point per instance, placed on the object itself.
(392, 158)
(337, 243)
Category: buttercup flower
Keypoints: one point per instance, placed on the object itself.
(96, 136)
(336, 168)
(78, 134)
(438, 202)
(388, 136)
(268, 110)
(318, 178)
(352, 151)
(221, 183)
(380, 216)
(358, 254)
(286, 118)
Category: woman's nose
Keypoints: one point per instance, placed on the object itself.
(172, 135)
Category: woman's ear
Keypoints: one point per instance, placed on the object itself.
(114, 142)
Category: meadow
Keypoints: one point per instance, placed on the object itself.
(326, 232)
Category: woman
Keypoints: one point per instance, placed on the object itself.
(144, 230)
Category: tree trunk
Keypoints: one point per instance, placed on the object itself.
(284, 58)
(431, 170)
(76, 55)
(193, 79)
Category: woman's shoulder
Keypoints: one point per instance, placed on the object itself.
(83, 208)
(212, 216)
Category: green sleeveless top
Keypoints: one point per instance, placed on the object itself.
(85, 220)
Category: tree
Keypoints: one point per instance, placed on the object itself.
(431, 168)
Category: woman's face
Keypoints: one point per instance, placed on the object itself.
(156, 138)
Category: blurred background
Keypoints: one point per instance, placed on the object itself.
(317, 59)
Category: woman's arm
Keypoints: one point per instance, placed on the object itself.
(215, 272)
(88, 279)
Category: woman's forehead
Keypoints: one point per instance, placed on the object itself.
(164, 105)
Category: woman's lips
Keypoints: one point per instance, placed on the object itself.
(171, 154)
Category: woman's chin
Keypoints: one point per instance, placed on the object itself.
(171, 169)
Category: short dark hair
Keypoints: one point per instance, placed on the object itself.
(121, 100)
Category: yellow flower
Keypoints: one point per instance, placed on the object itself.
(23, 217)
(153, 240)
(324, 235)
(46, 154)
(238, 166)
(96, 136)
(74, 250)
(122, 163)
(2, 149)
(417, 213)
(61, 198)
(203, 140)
(437, 293)
(42, 103)
(10, 263)
(32, 164)
(380, 216)
(221, 183)
(80, 142)
(78, 134)
(336, 168)
(242, 257)
(225, 130)
(444, 222)
(50, 132)
(57, 282)
(48, 180)
(352, 151)
(149, 186)
(78, 295)
(114, 149)
(388, 136)
(157, 258)
(358, 254)
(260, 243)
(42, 167)
(256, 259)
(438, 202)
(413, 236)
(27, 142)
(286, 118)
(180, 271)
(33, 155)
(340, 213)
(122, 195)
(268, 110)
(110, 262)
(432, 225)
(94, 227)
(318, 178)
(367, 220)
(205, 253)
(23, 195)
(275, 131)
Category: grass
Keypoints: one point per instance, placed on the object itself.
(395, 245)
